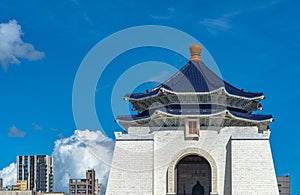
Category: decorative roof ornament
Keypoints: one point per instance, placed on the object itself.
(195, 51)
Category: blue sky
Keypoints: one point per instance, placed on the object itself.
(255, 45)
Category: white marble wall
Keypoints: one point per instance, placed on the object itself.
(252, 167)
(132, 168)
(141, 162)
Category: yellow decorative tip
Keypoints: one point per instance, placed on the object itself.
(195, 51)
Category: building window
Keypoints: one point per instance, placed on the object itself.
(192, 128)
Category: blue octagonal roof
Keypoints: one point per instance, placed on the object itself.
(195, 77)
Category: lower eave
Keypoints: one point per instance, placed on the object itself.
(254, 118)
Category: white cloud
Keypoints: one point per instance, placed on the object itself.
(166, 15)
(12, 46)
(161, 77)
(37, 126)
(72, 157)
(9, 175)
(223, 23)
(81, 151)
(220, 23)
(15, 132)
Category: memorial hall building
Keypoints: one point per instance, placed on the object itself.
(194, 134)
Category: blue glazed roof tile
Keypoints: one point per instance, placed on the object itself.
(195, 76)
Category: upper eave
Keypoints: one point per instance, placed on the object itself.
(161, 90)
(195, 78)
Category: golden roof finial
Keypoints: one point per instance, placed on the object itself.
(195, 51)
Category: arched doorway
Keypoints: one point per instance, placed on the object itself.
(193, 176)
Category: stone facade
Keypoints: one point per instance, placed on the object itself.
(252, 169)
(132, 162)
(240, 159)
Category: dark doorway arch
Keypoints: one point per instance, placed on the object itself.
(193, 176)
